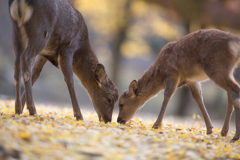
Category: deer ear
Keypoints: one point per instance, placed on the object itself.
(133, 87)
(100, 74)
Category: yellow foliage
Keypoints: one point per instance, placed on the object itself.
(131, 49)
(106, 18)
(105, 15)
(62, 137)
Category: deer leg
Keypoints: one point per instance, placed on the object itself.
(170, 88)
(34, 47)
(27, 59)
(233, 90)
(228, 116)
(237, 121)
(17, 83)
(37, 69)
(18, 49)
(197, 96)
(66, 68)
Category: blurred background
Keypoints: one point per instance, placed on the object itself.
(127, 36)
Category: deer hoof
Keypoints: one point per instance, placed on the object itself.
(224, 133)
(79, 117)
(209, 131)
(18, 108)
(155, 126)
(18, 111)
(32, 110)
(234, 140)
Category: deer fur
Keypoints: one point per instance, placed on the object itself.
(201, 55)
(52, 30)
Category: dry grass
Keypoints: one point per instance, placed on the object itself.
(55, 134)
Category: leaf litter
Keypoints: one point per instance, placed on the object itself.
(55, 134)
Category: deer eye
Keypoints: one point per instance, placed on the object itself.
(109, 100)
(121, 105)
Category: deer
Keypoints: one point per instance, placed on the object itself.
(196, 57)
(53, 30)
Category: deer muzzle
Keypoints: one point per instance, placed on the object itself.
(121, 121)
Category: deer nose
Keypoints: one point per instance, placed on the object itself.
(106, 119)
(119, 119)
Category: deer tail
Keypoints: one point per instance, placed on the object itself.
(234, 48)
(21, 10)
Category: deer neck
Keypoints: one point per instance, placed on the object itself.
(150, 83)
(84, 65)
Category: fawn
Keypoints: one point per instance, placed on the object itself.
(194, 58)
(54, 31)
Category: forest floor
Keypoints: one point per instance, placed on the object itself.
(54, 134)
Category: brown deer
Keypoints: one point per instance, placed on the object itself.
(194, 58)
(53, 30)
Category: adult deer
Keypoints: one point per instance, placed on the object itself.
(53, 30)
(194, 58)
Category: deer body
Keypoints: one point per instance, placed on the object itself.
(189, 61)
(52, 30)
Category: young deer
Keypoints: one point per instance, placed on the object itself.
(189, 61)
(53, 30)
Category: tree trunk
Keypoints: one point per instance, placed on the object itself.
(185, 94)
(119, 39)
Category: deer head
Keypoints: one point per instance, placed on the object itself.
(129, 103)
(104, 95)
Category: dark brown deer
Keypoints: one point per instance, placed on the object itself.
(189, 61)
(53, 30)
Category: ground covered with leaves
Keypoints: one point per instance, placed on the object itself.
(55, 134)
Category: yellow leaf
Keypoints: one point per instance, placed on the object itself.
(194, 116)
(206, 141)
(184, 135)
(14, 123)
(130, 132)
(5, 110)
(154, 130)
(215, 129)
(24, 135)
(114, 124)
(102, 124)
(132, 150)
(53, 124)
(155, 139)
(49, 131)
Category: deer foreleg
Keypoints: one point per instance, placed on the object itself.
(65, 62)
(170, 88)
(37, 69)
(197, 96)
